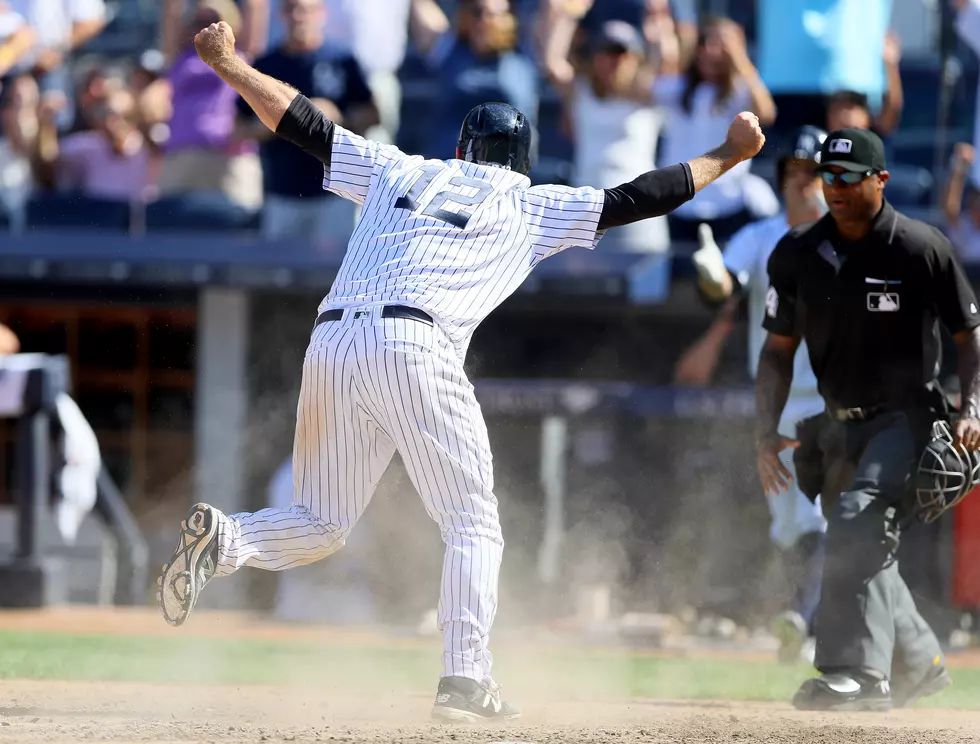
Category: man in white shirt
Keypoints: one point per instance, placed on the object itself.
(798, 525)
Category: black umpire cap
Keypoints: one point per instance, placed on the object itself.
(856, 150)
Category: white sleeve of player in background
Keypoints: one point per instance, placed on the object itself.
(741, 254)
(968, 24)
(353, 161)
(560, 217)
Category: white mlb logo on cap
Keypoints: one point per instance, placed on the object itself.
(840, 145)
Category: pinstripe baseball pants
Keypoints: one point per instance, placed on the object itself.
(372, 386)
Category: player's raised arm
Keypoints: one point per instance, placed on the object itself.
(348, 160)
(268, 97)
(658, 192)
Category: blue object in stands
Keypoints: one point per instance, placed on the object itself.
(61, 210)
(199, 211)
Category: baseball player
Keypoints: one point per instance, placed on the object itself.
(798, 525)
(440, 243)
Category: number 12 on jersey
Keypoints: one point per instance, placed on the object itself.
(435, 206)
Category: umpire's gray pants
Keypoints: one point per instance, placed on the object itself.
(867, 618)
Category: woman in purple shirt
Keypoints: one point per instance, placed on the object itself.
(202, 152)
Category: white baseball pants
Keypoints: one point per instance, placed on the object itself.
(371, 386)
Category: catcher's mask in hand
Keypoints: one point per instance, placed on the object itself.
(946, 474)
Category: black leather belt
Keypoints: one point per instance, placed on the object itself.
(857, 414)
(388, 311)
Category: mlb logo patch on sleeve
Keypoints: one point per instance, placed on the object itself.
(840, 145)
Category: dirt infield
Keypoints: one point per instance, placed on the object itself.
(38, 711)
(74, 712)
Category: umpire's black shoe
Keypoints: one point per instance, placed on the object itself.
(905, 692)
(463, 700)
(844, 691)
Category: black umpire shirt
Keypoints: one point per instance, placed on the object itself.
(869, 311)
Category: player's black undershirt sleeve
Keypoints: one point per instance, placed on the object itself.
(304, 125)
(652, 194)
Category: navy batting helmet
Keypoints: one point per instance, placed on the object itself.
(496, 133)
(804, 144)
(946, 474)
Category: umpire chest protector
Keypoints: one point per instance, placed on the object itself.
(868, 310)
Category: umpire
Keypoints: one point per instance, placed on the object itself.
(865, 287)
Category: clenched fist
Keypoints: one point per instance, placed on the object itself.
(745, 137)
(215, 44)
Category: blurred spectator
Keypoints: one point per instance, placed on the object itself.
(109, 162)
(609, 104)
(16, 38)
(848, 108)
(375, 32)
(60, 28)
(19, 101)
(720, 82)
(641, 13)
(968, 28)
(154, 107)
(809, 49)
(95, 85)
(295, 203)
(474, 61)
(202, 153)
(962, 225)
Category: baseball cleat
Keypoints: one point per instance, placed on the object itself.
(463, 700)
(936, 680)
(791, 632)
(191, 566)
(844, 692)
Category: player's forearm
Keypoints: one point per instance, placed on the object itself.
(305, 125)
(772, 385)
(652, 194)
(268, 97)
(968, 353)
(713, 165)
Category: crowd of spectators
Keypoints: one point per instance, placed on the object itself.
(155, 137)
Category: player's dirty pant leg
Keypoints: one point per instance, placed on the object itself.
(437, 425)
(867, 615)
(339, 455)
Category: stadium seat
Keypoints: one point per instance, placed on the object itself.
(197, 211)
(59, 210)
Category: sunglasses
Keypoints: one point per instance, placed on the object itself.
(847, 178)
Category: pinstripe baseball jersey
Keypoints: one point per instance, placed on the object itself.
(449, 237)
